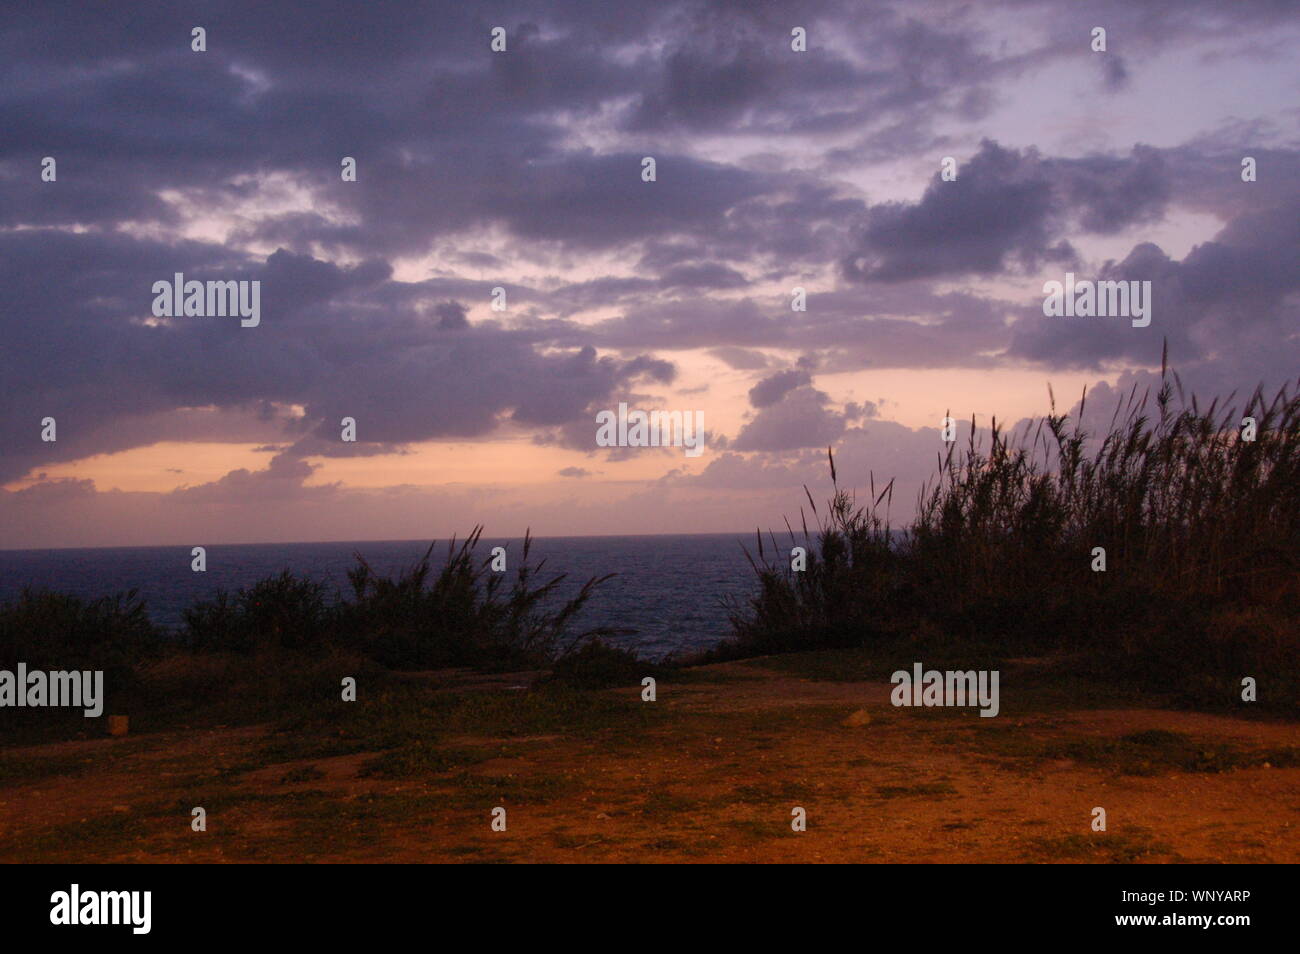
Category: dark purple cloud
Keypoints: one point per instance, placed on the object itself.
(776, 386)
(532, 157)
(800, 418)
(1007, 208)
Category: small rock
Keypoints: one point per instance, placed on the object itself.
(861, 717)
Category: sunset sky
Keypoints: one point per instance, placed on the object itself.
(522, 169)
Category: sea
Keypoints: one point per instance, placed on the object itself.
(671, 591)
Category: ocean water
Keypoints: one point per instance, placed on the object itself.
(670, 589)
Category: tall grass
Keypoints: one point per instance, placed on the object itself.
(465, 614)
(461, 613)
(849, 592)
(1201, 532)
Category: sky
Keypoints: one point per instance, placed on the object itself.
(522, 169)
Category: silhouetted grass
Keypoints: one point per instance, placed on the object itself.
(461, 613)
(464, 615)
(1200, 528)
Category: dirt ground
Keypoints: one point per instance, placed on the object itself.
(714, 777)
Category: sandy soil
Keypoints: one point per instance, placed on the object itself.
(714, 780)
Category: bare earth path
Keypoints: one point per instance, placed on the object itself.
(714, 777)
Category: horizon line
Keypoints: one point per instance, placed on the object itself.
(435, 540)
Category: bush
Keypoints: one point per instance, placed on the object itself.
(238, 686)
(280, 611)
(463, 616)
(54, 631)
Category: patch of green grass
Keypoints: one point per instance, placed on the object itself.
(1023, 689)
(791, 719)
(1121, 847)
(466, 849)
(312, 824)
(756, 829)
(104, 835)
(1158, 750)
(699, 675)
(1053, 687)
(304, 773)
(827, 665)
(309, 745)
(665, 844)
(920, 790)
(18, 768)
(562, 839)
(668, 805)
(31, 768)
(405, 714)
(1148, 752)
(421, 758)
(406, 725)
(471, 791)
(769, 789)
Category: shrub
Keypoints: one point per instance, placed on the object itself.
(460, 614)
(55, 631)
(464, 615)
(280, 611)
